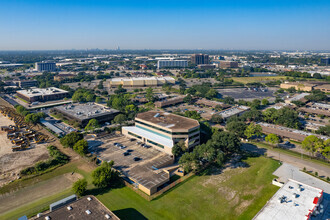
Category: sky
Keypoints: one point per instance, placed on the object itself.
(161, 24)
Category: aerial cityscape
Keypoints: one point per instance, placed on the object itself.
(165, 110)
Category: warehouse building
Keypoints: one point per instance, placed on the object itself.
(163, 130)
(294, 200)
(85, 208)
(82, 113)
(141, 81)
(42, 94)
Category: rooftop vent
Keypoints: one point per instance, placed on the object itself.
(69, 208)
(107, 216)
(88, 212)
(47, 218)
(89, 198)
(156, 115)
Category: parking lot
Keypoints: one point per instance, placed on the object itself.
(145, 171)
(248, 95)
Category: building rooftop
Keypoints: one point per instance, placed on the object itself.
(294, 200)
(211, 103)
(85, 111)
(41, 91)
(85, 208)
(168, 120)
(143, 78)
(233, 111)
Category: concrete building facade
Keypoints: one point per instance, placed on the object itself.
(163, 130)
(200, 59)
(42, 94)
(45, 66)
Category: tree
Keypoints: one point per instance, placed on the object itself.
(150, 94)
(120, 90)
(32, 118)
(119, 119)
(225, 141)
(100, 85)
(188, 99)
(179, 148)
(312, 143)
(252, 130)
(81, 147)
(264, 102)
(188, 162)
(272, 138)
(20, 109)
(104, 175)
(92, 124)
(324, 130)
(211, 94)
(79, 187)
(192, 114)
(216, 119)
(237, 127)
(70, 139)
(98, 99)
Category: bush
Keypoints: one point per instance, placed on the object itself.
(80, 187)
(316, 174)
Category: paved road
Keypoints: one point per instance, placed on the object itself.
(322, 170)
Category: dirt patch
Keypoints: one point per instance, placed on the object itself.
(40, 190)
(12, 162)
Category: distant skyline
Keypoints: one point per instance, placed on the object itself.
(107, 24)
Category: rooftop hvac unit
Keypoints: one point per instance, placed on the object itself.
(89, 198)
(69, 208)
(88, 212)
(156, 115)
(107, 216)
(47, 218)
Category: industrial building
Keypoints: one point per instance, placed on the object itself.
(163, 130)
(236, 110)
(200, 59)
(141, 81)
(172, 63)
(291, 133)
(45, 66)
(294, 200)
(169, 102)
(317, 108)
(42, 94)
(82, 113)
(85, 208)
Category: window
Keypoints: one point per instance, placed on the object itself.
(137, 136)
(154, 143)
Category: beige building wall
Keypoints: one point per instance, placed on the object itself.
(301, 87)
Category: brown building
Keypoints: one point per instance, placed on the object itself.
(228, 64)
(302, 86)
(206, 66)
(86, 208)
(200, 59)
(316, 108)
(168, 102)
(42, 94)
(63, 76)
(211, 104)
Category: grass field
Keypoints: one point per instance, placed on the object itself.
(257, 79)
(234, 194)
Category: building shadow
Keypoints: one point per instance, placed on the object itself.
(129, 213)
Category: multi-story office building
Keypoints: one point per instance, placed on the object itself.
(200, 59)
(46, 66)
(325, 61)
(163, 130)
(172, 63)
(228, 64)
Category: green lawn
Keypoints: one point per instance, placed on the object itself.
(235, 194)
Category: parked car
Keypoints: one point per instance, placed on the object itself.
(122, 147)
(136, 158)
(126, 153)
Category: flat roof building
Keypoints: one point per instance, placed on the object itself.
(291, 133)
(236, 110)
(228, 64)
(42, 94)
(45, 66)
(172, 63)
(316, 108)
(302, 86)
(210, 103)
(141, 81)
(85, 208)
(200, 59)
(294, 200)
(82, 113)
(163, 130)
(169, 102)
(297, 97)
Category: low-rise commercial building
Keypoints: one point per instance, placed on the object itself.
(302, 86)
(26, 83)
(285, 132)
(298, 97)
(317, 108)
(210, 103)
(169, 102)
(42, 94)
(172, 63)
(46, 66)
(294, 200)
(236, 110)
(141, 81)
(228, 64)
(85, 208)
(82, 113)
(163, 130)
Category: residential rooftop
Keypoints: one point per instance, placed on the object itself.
(294, 200)
(168, 120)
(85, 111)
